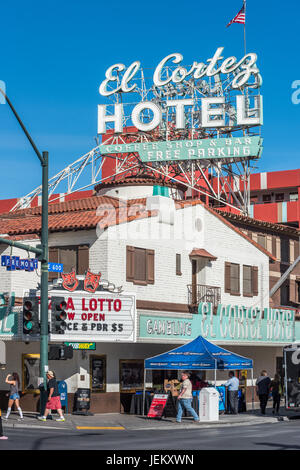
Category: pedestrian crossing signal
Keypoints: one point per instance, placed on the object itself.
(58, 315)
(31, 325)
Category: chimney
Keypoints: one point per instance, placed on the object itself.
(162, 202)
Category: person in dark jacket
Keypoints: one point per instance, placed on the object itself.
(275, 388)
(263, 389)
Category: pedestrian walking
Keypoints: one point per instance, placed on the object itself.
(53, 402)
(263, 389)
(233, 393)
(14, 396)
(276, 390)
(185, 397)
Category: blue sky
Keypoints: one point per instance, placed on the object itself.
(54, 56)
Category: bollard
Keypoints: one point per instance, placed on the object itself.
(1, 429)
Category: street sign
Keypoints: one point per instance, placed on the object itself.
(55, 267)
(13, 263)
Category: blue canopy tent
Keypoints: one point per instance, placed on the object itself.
(198, 354)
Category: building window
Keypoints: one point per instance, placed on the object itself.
(131, 375)
(298, 291)
(250, 281)
(266, 198)
(98, 373)
(232, 278)
(261, 240)
(72, 257)
(235, 279)
(293, 196)
(139, 265)
(178, 264)
(285, 294)
(279, 197)
(285, 250)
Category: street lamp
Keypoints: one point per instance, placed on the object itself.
(41, 252)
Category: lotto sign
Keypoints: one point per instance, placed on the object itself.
(101, 316)
(157, 406)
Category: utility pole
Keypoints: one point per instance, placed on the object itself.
(41, 252)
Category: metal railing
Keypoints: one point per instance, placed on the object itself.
(198, 293)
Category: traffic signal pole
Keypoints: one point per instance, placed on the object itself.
(43, 252)
(44, 273)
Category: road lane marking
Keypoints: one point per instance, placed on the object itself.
(117, 428)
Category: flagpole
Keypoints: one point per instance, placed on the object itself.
(245, 27)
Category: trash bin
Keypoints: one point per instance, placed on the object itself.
(209, 404)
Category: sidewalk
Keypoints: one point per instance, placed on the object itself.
(126, 422)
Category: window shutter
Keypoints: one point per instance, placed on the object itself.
(227, 283)
(178, 264)
(150, 267)
(53, 258)
(83, 259)
(296, 249)
(129, 263)
(255, 280)
(274, 246)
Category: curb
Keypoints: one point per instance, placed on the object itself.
(203, 425)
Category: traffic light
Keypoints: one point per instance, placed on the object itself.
(58, 352)
(31, 325)
(58, 315)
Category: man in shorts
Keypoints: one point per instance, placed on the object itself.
(53, 402)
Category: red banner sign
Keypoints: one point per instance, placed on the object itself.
(157, 406)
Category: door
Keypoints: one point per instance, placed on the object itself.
(194, 282)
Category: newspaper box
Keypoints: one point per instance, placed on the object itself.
(209, 404)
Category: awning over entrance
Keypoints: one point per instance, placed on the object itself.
(201, 253)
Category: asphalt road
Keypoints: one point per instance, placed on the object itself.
(279, 436)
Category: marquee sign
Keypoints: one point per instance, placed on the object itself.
(225, 148)
(99, 316)
(216, 93)
(232, 324)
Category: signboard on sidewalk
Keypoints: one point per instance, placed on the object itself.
(158, 405)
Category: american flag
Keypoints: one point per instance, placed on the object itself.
(239, 18)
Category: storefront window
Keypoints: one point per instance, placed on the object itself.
(98, 373)
(131, 375)
(30, 372)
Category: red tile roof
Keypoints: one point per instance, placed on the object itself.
(104, 211)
